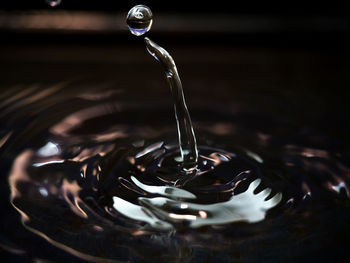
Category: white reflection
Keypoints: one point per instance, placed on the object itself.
(158, 211)
(306, 190)
(339, 187)
(182, 217)
(247, 207)
(169, 191)
(184, 206)
(43, 191)
(139, 213)
(149, 149)
(254, 156)
(46, 163)
(48, 150)
(202, 214)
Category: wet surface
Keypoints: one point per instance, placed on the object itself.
(74, 119)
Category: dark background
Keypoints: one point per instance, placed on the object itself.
(297, 51)
(288, 58)
(233, 7)
(292, 23)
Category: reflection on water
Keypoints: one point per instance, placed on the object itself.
(245, 206)
(97, 177)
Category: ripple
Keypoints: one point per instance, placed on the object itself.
(94, 178)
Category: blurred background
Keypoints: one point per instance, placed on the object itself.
(294, 52)
(291, 23)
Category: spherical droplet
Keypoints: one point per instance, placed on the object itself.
(53, 3)
(139, 20)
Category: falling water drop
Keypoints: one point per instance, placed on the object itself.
(53, 3)
(139, 20)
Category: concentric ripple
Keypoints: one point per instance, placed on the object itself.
(96, 181)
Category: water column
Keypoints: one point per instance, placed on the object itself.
(139, 20)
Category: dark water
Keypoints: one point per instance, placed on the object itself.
(89, 169)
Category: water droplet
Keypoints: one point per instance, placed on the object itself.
(53, 3)
(139, 20)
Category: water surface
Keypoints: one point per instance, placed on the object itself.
(73, 152)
